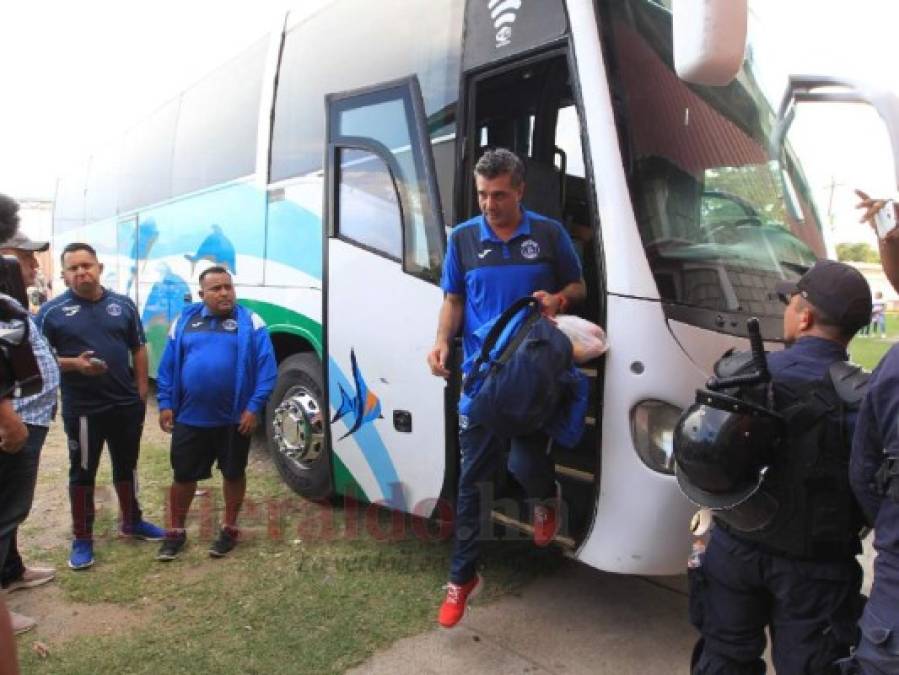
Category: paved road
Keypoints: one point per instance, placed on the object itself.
(577, 620)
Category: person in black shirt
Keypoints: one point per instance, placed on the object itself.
(100, 343)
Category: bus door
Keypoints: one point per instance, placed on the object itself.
(529, 105)
(383, 251)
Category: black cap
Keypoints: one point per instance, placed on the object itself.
(837, 289)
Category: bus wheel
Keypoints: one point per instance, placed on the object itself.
(295, 427)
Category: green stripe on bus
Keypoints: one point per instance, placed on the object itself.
(344, 483)
(282, 320)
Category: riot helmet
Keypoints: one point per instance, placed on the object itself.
(724, 446)
(722, 449)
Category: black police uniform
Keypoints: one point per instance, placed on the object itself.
(874, 474)
(807, 597)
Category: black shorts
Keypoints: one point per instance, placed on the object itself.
(194, 449)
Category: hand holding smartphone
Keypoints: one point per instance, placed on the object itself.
(881, 213)
(95, 365)
(885, 219)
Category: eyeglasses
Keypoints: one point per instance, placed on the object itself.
(785, 298)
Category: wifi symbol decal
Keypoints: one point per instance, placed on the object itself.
(503, 14)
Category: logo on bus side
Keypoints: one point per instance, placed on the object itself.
(359, 409)
(503, 13)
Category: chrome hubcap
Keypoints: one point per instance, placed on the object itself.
(297, 427)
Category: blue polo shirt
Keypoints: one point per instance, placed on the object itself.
(208, 361)
(492, 274)
(111, 328)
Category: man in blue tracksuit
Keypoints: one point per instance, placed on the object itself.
(797, 575)
(216, 374)
(491, 261)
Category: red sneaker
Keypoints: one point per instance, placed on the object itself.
(453, 608)
(547, 521)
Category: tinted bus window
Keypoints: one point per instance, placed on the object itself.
(101, 197)
(68, 209)
(337, 50)
(719, 224)
(217, 124)
(368, 207)
(146, 169)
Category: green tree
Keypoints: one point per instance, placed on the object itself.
(857, 252)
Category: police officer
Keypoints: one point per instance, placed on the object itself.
(491, 261)
(782, 552)
(874, 473)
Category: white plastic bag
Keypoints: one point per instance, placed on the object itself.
(588, 339)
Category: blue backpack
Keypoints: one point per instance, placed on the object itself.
(523, 379)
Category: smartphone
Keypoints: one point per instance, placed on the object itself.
(885, 219)
(97, 362)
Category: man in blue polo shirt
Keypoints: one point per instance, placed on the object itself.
(100, 345)
(491, 261)
(216, 374)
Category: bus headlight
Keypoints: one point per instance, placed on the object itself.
(652, 428)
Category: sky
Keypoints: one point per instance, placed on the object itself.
(77, 74)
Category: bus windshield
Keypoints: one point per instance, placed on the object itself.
(721, 218)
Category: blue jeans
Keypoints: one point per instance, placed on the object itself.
(482, 452)
(18, 476)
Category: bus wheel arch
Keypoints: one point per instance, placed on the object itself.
(295, 427)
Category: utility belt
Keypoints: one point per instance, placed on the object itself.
(885, 480)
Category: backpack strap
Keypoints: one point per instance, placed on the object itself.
(850, 381)
(501, 322)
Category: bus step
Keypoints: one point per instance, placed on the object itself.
(575, 474)
(504, 520)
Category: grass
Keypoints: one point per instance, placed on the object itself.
(315, 588)
(867, 351)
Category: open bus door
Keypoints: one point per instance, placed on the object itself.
(383, 250)
(520, 92)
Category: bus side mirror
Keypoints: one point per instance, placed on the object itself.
(824, 89)
(709, 40)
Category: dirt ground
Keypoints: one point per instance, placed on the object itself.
(48, 530)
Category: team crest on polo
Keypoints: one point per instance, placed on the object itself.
(114, 309)
(530, 249)
(229, 324)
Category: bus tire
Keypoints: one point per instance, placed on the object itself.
(295, 427)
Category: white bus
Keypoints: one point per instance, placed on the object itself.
(324, 165)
